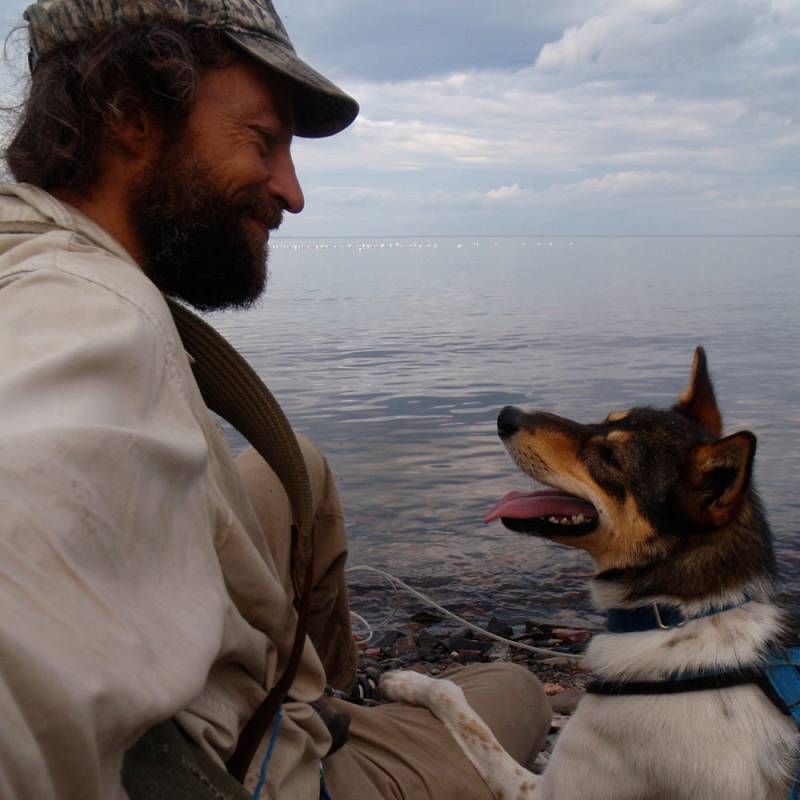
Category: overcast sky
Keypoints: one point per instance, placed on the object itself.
(561, 117)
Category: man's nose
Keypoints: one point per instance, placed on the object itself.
(284, 184)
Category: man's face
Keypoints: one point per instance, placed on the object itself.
(203, 208)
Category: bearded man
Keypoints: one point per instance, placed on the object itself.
(145, 577)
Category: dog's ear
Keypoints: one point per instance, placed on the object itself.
(698, 402)
(717, 478)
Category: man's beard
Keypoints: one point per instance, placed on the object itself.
(193, 237)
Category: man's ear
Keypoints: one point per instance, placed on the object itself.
(717, 478)
(698, 402)
(134, 131)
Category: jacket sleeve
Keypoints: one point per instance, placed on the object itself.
(112, 598)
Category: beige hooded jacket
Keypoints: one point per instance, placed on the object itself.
(134, 582)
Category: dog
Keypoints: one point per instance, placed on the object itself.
(684, 564)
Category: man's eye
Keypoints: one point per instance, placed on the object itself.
(266, 140)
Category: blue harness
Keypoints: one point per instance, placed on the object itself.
(778, 677)
(782, 670)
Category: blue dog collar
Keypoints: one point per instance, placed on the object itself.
(657, 616)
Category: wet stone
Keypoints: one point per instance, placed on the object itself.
(429, 644)
(499, 652)
(426, 617)
(499, 628)
(404, 645)
(387, 639)
(573, 636)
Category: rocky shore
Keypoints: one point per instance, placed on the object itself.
(430, 643)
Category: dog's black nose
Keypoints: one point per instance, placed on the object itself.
(509, 421)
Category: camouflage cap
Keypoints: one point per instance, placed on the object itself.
(321, 107)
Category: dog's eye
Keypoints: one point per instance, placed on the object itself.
(608, 457)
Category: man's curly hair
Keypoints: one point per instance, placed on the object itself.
(76, 92)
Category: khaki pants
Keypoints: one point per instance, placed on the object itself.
(394, 750)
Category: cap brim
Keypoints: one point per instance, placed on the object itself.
(321, 108)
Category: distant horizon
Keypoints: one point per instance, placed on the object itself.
(281, 237)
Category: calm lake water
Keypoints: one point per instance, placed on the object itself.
(396, 355)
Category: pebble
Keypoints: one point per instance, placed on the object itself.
(571, 636)
(558, 661)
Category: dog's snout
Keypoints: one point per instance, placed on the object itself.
(509, 421)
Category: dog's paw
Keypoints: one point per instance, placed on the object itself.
(404, 685)
(419, 690)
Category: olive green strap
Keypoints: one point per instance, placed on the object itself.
(165, 765)
(232, 389)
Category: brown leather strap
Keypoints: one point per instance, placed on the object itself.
(253, 732)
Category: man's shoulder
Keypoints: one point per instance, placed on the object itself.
(75, 315)
(76, 310)
(39, 233)
(81, 262)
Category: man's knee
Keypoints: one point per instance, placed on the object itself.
(260, 479)
(323, 484)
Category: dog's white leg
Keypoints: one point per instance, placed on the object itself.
(505, 778)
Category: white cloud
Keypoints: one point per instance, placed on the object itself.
(634, 183)
(504, 192)
(654, 34)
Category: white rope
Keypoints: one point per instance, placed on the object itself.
(370, 631)
(396, 582)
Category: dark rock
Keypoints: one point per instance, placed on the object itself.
(426, 617)
(429, 644)
(409, 658)
(462, 643)
(499, 652)
(403, 646)
(468, 650)
(388, 639)
(539, 627)
(413, 628)
(558, 661)
(499, 628)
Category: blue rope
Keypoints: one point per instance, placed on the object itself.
(262, 775)
(323, 790)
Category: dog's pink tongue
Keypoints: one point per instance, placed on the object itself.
(545, 503)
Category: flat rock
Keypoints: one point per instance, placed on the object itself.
(570, 635)
(564, 702)
(499, 628)
(558, 661)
